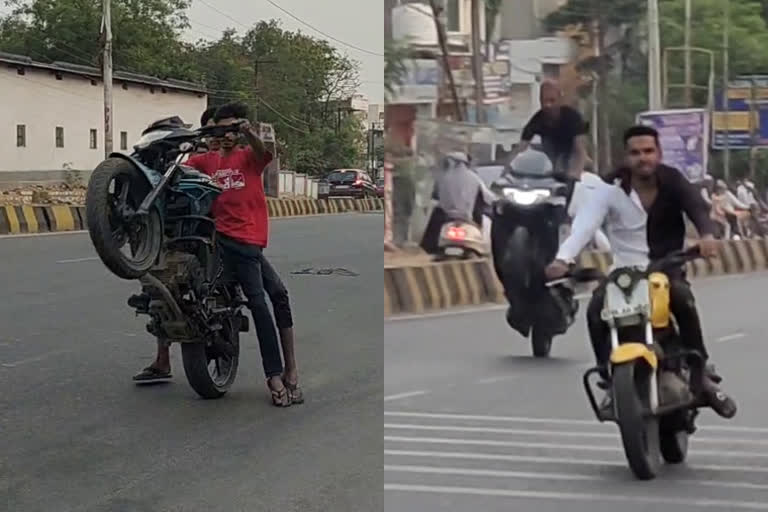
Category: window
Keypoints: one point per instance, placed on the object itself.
(123, 140)
(59, 136)
(94, 141)
(21, 135)
(452, 15)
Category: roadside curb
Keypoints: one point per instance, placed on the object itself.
(31, 219)
(428, 287)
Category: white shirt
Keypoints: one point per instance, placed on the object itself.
(624, 221)
(582, 194)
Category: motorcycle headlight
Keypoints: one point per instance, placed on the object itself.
(526, 197)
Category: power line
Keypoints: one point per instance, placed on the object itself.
(274, 4)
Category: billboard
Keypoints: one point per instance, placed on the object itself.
(741, 122)
(684, 138)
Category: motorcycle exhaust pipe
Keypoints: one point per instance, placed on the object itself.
(150, 280)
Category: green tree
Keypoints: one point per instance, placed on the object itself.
(600, 18)
(146, 39)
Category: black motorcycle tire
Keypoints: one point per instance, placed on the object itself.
(673, 442)
(639, 433)
(196, 361)
(101, 231)
(541, 342)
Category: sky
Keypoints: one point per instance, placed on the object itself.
(359, 23)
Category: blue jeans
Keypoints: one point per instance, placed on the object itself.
(278, 294)
(244, 264)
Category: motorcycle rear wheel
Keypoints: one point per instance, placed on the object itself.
(203, 364)
(108, 230)
(639, 433)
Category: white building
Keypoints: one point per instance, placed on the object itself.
(52, 115)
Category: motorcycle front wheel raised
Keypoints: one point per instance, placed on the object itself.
(115, 188)
(210, 370)
(639, 432)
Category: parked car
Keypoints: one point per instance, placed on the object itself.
(350, 183)
(380, 187)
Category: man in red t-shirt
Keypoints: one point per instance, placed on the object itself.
(242, 224)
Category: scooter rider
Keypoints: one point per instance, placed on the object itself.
(459, 188)
(642, 213)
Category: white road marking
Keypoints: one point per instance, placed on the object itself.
(553, 446)
(404, 395)
(491, 380)
(78, 260)
(533, 475)
(731, 337)
(558, 433)
(552, 421)
(573, 496)
(577, 461)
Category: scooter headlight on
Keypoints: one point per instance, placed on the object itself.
(624, 281)
(526, 197)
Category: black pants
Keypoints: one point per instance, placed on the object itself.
(244, 264)
(682, 305)
(278, 294)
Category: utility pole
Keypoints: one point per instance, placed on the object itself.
(106, 30)
(726, 106)
(595, 99)
(477, 63)
(256, 85)
(688, 73)
(654, 57)
(442, 39)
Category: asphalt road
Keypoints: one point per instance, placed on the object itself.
(77, 435)
(473, 422)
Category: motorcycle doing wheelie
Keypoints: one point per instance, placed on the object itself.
(657, 384)
(155, 226)
(525, 234)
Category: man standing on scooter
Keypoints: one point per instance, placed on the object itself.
(562, 131)
(642, 213)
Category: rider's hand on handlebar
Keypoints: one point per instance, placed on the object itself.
(709, 246)
(556, 270)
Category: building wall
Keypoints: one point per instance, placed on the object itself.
(522, 19)
(41, 102)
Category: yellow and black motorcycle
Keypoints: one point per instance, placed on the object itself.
(656, 384)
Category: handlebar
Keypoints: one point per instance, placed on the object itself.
(676, 259)
(218, 130)
(589, 274)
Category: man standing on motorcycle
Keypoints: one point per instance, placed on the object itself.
(562, 131)
(642, 212)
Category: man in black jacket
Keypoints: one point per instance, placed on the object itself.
(650, 217)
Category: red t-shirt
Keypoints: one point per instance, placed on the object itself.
(241, 209)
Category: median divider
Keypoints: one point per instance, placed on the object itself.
(433, 286)
(25, 219)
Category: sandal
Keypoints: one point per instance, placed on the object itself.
(295, 392)
(150, 374)
(280, 398)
